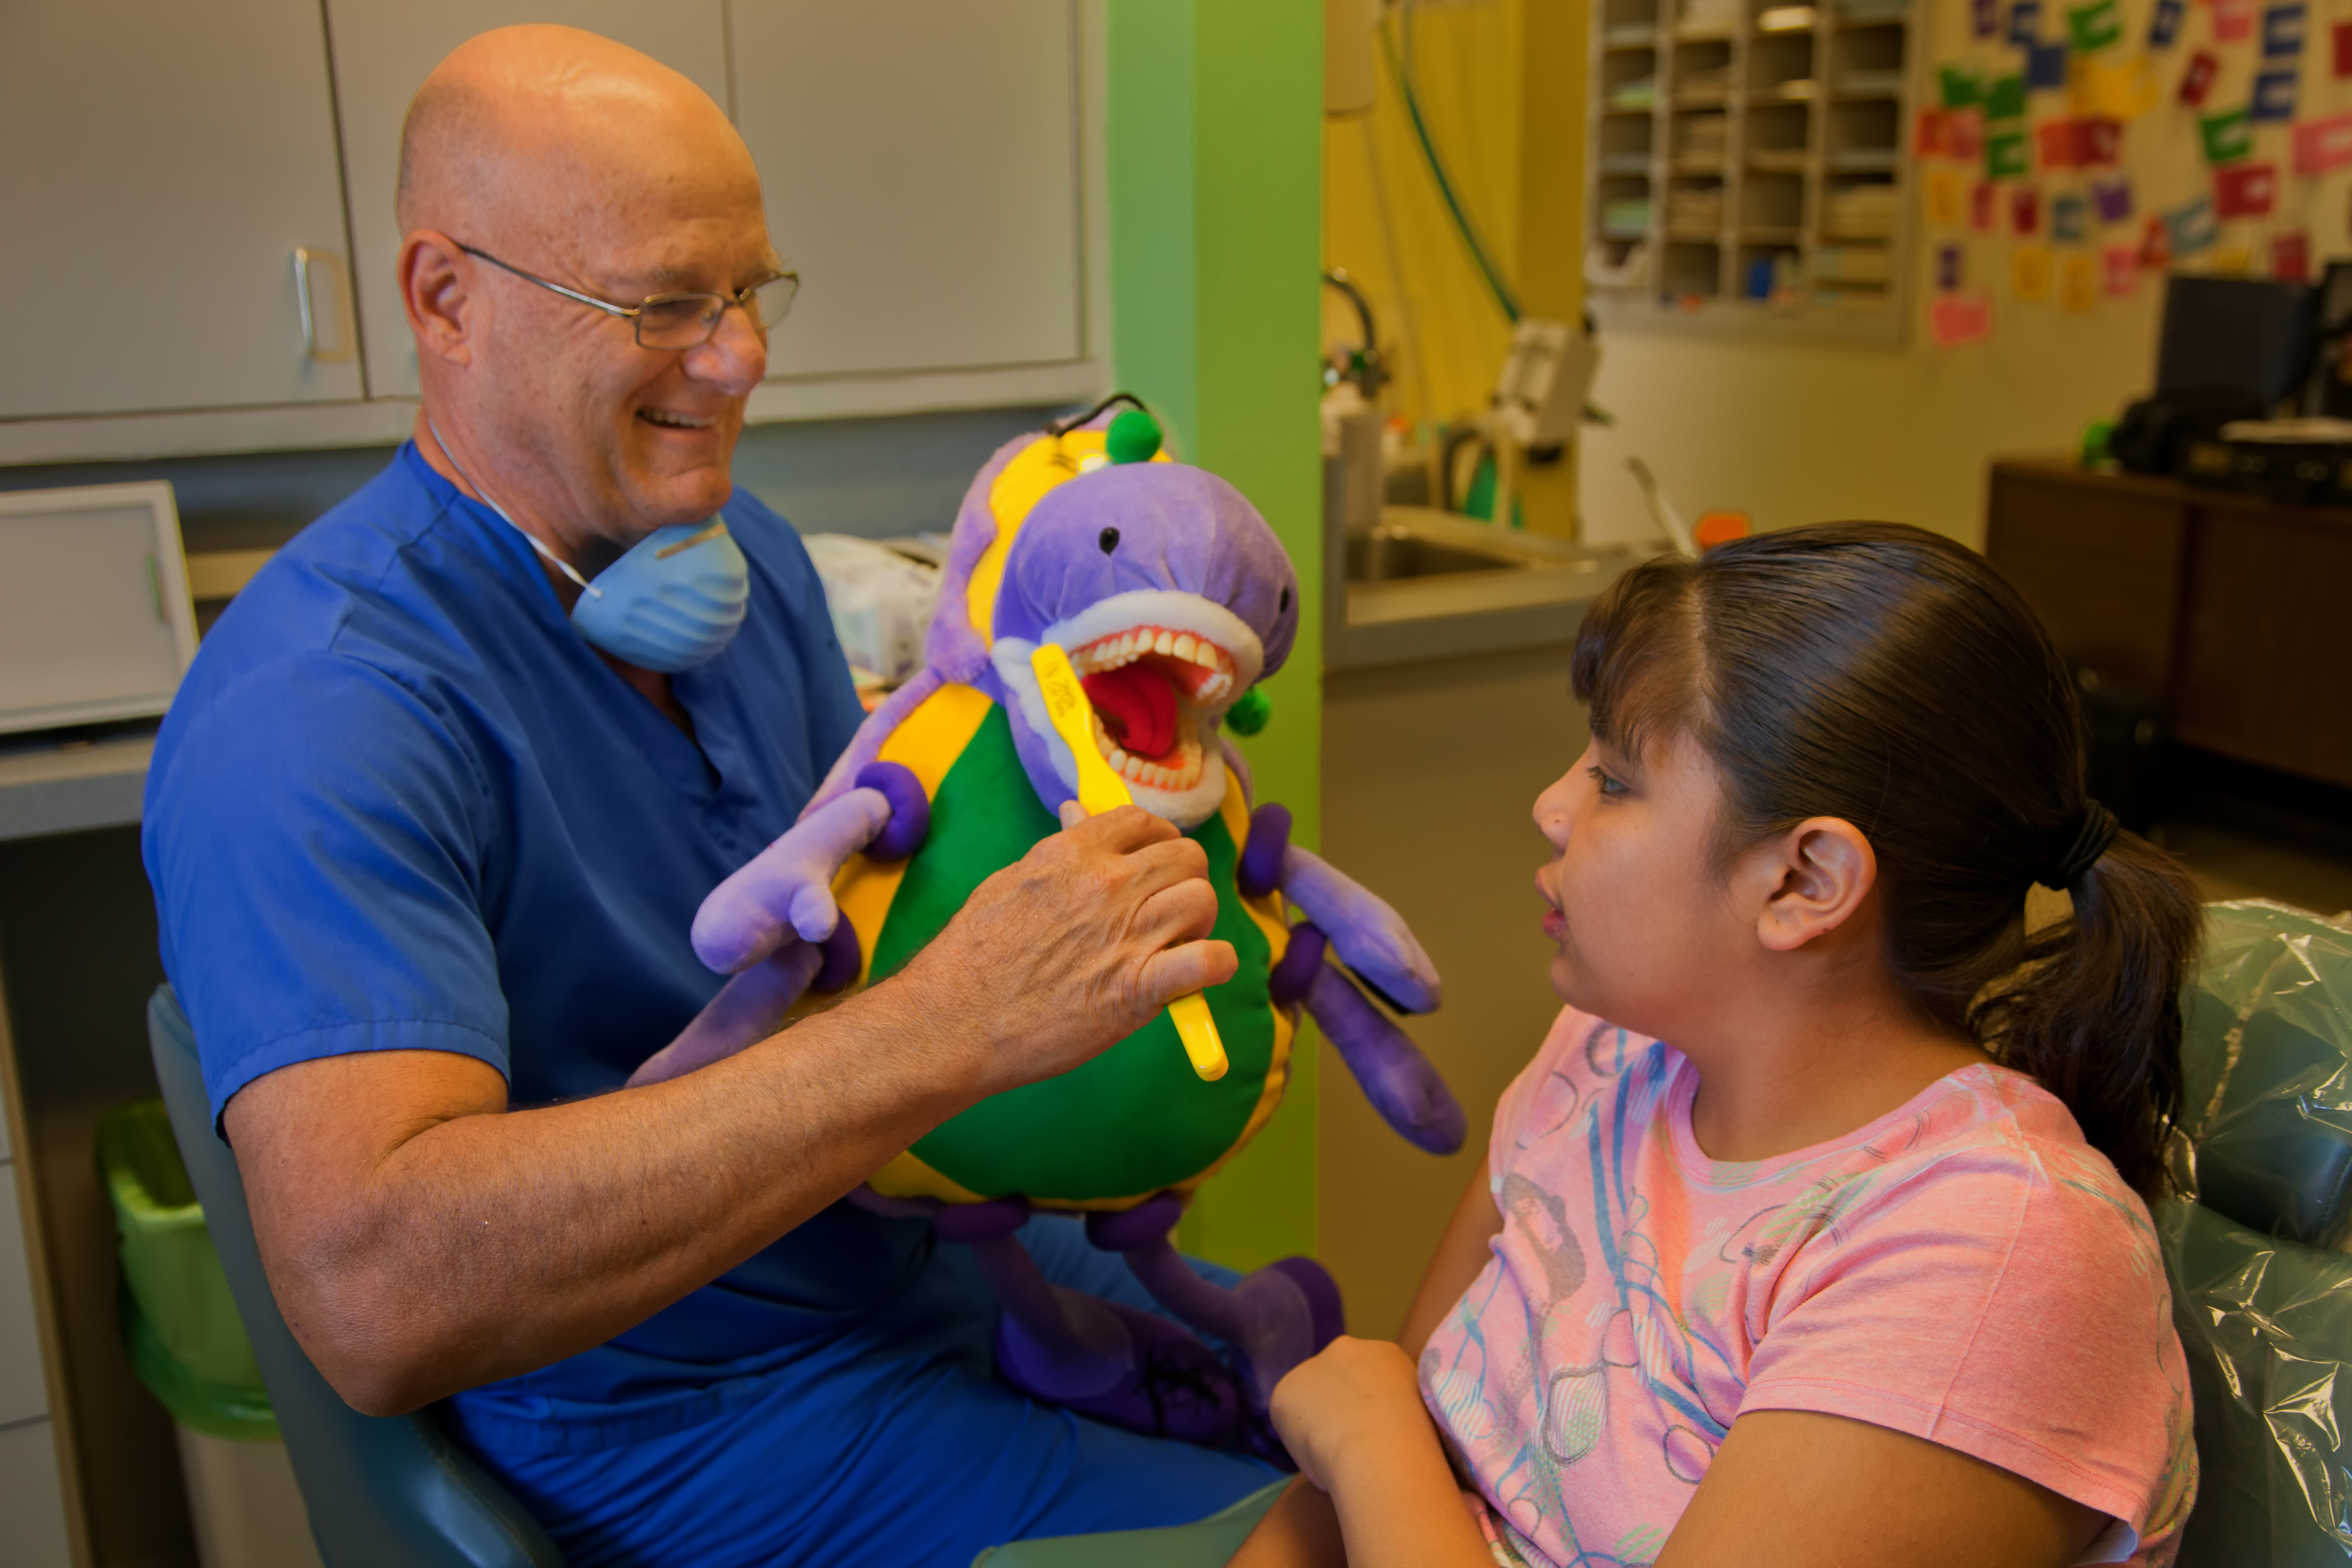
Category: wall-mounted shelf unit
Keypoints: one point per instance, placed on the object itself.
(1750, 164)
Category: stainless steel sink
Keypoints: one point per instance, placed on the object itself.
(1426, 584)
(1391, 552)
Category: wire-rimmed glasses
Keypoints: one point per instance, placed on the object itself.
(682, 320)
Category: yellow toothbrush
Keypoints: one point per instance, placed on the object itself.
(1101, 790)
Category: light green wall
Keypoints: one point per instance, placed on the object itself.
(1214, 112)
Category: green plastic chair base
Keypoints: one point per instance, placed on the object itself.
(1204, 1544)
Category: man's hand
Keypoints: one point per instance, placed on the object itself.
(1083, 941)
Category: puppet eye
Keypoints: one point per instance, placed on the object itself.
(1108, 540)
(1283, 605)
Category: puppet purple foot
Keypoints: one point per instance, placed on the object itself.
(1272, 1319)
(1098, 1358)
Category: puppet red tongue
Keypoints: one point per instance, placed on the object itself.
(1138, 707)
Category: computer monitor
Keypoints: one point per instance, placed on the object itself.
(2242, 334)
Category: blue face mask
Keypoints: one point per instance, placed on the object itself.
(671, 603)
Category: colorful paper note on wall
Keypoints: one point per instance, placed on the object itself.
(2123, 91)
(2045, 69)
(2322, 144)
(2024, 210)
(2070, 218)
(1981, 197)
(2005, 97)
(2057, 144)
(2339, 54)
(2291, 256)
(2005, 155)
(2098, 143)
(2245, 190)
(2274, 95)
(2024, 22)
(2192, 228)
(2113, 198)
(2095, 26)
(1947, 198)
(1965, 127)
(1959, 85)
(2155, 246)
(1984, 17)
(2164, 23)
(2197, 78)
(1932, 134)
(2119, 271)
(1954, 319)
(2282, 29)
(2078, 282)
(2028, 273)
(2233, 20)
(1948, 266)
(2231, 261)
(2228, 136)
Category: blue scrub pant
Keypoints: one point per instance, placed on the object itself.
(895, 1447)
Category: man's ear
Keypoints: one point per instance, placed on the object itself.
(1825, 868)
(434, 290)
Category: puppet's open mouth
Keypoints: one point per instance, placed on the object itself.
(1149, 686)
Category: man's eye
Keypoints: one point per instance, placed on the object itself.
(1608, 785)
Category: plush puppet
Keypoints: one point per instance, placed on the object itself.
(1173, 599)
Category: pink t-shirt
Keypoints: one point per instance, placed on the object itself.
(1965, 1269)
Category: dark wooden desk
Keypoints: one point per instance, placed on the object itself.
(2234, 611)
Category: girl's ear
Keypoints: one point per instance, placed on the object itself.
(1825, 868)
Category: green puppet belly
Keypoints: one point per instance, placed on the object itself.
(1136, 1119)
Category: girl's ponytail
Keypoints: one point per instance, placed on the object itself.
(2094, 1015)
(1890, 677)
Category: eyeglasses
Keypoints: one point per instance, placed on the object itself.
(678, 320)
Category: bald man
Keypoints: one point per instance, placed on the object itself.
(427, 827)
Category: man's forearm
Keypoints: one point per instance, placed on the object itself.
(484, 1245)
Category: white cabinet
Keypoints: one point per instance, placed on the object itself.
(920, 162)
(160, 165)
(383, 50)
(32, 1503)
(930, 166)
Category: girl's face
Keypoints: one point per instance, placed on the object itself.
(1647, 928)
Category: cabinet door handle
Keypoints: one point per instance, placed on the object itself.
(304, 258)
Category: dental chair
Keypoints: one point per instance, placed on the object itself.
(2255, 1246)
(389, 1492)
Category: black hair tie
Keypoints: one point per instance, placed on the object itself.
(2094, 831)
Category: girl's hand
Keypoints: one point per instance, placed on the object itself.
(1336, 1406)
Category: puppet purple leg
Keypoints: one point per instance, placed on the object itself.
(1272, 1320)
(1395, 1077)
(1098, 1358)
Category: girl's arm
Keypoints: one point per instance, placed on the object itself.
(1376, 1487)
(1791, 1489)
(1461, 1256)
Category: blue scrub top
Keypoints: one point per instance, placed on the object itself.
(400, 805)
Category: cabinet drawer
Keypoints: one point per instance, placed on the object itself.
(23, 1394)
(32, 1503)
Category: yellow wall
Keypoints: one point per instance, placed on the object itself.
(1794, 434)
(1502, 89)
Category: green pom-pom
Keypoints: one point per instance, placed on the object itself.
(1133, 437)
(1249, 712)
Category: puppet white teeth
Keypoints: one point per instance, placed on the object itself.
(1185, 647)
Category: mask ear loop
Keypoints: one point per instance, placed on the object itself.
(507, 517)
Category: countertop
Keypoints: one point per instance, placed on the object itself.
(52, 786)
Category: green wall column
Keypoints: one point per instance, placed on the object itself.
(1214, 116)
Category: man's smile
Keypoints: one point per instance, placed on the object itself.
(670, 420)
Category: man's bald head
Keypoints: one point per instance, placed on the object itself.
(599, 172)
(535, 121)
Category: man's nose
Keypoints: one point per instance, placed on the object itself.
(734, 361)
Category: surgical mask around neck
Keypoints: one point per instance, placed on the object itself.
(673, 601)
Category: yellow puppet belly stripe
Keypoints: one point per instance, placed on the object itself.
(929, 743)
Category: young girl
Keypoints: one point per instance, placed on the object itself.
(1814, 1233)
